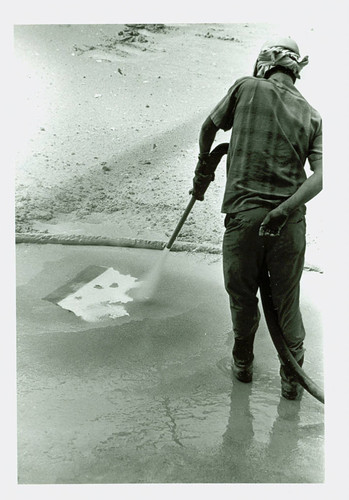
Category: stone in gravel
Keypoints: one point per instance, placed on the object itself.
(40, 214)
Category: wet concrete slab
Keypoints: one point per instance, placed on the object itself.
(149, 397)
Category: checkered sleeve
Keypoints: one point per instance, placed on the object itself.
(223, 114)
(315, 149)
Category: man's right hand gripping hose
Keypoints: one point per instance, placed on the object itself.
(205, 169)
(202, 178)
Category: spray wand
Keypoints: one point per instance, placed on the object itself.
(207, 171)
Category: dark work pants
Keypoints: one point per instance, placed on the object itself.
(244, 253)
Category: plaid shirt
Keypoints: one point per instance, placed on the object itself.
(274, 132)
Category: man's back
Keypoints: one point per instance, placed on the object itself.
(274, 131)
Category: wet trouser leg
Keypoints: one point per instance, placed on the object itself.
(244, 253)
(285, 262)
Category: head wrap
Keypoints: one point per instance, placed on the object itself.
(270, 57)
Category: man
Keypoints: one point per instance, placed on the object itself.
(274, 132)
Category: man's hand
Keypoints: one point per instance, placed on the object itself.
(202, 177)
(276, 219)
(204, 172)
(205, 169)
(273, 223)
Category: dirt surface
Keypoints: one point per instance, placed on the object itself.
(110, 118)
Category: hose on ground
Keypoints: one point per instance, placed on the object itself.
(279, 340)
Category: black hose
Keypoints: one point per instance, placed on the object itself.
(279, 340)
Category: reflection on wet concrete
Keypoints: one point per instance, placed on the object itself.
(269, 439)
(148, 409)
(239, 434)
(149, 429)
(289, 443)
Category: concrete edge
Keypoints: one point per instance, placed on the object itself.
(185, 246)
(64, 239)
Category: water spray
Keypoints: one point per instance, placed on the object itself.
(151, 280)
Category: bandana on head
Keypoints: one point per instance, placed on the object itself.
(278, 56)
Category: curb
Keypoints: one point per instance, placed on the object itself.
(63, 239)
(185, 246)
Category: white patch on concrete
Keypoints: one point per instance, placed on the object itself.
(101, 298)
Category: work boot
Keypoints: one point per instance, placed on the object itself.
(243, 372)
(243, 359)
(290, 387)
(291, 390)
